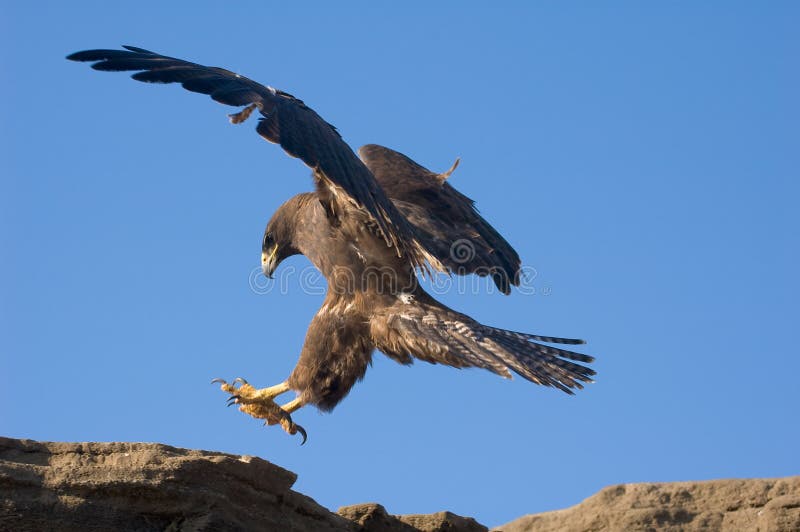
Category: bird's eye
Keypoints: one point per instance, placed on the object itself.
(267, 240)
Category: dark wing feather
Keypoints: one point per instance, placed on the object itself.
(345, 185)
(445, 218)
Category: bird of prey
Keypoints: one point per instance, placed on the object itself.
(371, 226)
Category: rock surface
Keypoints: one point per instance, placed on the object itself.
(146, 486)
(372, 517)
(720, 505)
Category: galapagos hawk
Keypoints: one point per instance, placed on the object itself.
(370, 226)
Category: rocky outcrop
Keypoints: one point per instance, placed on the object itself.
(145, 486)
(372, 517)
(718, 505)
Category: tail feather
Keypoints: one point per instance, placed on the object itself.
(532, 362)
(428, 331)
(546, 365)
(531, 338)
(472, 350)
(440, 335)
(548, 339)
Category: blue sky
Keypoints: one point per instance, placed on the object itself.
(643, 159)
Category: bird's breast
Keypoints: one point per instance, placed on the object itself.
(359, 262)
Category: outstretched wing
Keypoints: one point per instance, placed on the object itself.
(344, 184)
(429, 331)
(445, 218)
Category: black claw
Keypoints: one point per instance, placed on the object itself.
(218, 381)
(232, 399)
(302, 432)
(240, 380)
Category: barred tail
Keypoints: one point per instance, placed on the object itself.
(546, 365)
(439, 335)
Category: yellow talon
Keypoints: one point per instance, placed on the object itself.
(260, 403)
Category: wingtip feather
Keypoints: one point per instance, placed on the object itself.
(137, 49)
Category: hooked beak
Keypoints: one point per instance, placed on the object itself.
(269, 262)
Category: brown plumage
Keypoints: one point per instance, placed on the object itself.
(444, 218)
(369, 226)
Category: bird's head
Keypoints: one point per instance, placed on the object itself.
(278, 242)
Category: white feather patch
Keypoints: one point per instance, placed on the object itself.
(406, 298)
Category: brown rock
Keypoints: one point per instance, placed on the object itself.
(373, 517)
(718, 505)
(147, 486)
(441, 522)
